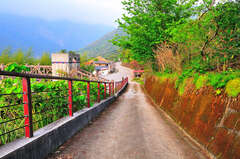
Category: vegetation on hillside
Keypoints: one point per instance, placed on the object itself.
(103, 47)
(185, 39)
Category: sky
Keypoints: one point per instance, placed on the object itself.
(103, 12)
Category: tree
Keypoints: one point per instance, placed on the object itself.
(63, 51)
(29, 58)
(18, 57)
(147, 24)
(71, 52)
(5, 57)
(202, 35)
(45, 59)
(83, 58)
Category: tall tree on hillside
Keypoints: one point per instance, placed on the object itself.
(45, 59)
(18, 57)
(5, 57)
(29, 57)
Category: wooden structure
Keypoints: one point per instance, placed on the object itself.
(47, 70)
(34, 69)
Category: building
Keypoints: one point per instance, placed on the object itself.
(102, 66)
(65, 63)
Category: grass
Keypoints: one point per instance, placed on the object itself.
(138, 80)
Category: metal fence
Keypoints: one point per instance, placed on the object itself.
(31, 110)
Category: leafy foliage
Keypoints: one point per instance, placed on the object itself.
(200, 81)
(89, 68)
(147, 23)
(49, 100)
(218, 81)
(233, 87)
(190, 39)
(16, 68)
(203, 35)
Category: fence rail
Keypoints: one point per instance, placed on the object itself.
(35, 109)
(47, 70)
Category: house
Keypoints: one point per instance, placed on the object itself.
(98, 58)
(102, 66)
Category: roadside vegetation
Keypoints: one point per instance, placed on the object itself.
(49, 100)
(191, 41)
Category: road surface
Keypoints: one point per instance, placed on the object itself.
(130, 129)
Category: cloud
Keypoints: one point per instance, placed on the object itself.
(88, 11)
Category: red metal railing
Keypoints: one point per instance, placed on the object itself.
(30, 110)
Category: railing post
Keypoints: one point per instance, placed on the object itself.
(99, 92)
(88, 94)
(122, 82)
(70, 97)
(109, 88)
(105, 90)
(113, 89)
(27, 100)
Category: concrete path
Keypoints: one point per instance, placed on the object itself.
(130, 129)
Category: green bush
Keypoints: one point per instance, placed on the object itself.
(13, 67)
(164, 76)
(181, 86)
(49, 101)
(233, 87)
(200, 81)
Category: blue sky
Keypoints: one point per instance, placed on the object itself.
(103, 12)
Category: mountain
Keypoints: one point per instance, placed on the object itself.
(102, 46)
(42, 35)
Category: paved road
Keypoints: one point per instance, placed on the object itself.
(130, 129)
(121, 72)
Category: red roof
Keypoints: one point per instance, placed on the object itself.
(138, 71)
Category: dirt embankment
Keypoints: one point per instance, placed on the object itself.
(214, 121)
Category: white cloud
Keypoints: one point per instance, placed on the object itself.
(89, 11)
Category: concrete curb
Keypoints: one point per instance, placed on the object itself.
(50, 137)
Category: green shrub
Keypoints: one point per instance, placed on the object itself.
(49, 101)
(220, 80)
(181, 87)
(201, 81)
(138, 80)
(233, 87)
(163, 76)
(16, 68)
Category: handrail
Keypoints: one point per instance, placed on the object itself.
(103, 89)
(46, 70)
(27, 75)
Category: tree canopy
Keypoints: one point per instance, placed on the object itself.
(200, 32)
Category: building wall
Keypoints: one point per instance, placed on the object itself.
(65, 62)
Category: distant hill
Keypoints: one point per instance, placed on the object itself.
(51, 36)
(102, 46)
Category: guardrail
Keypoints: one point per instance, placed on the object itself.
(46, 99)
